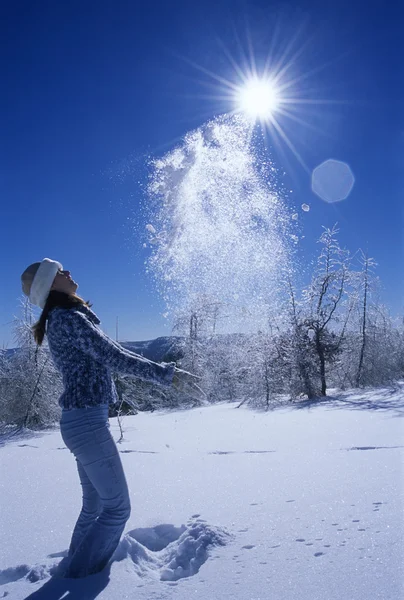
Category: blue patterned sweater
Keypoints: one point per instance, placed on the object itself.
(86, 357)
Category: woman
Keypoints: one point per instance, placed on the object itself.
(85, 356)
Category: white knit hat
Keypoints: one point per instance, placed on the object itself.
(42, 281)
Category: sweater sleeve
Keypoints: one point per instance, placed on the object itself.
(91, 340)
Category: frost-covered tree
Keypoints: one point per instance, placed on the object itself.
(29, 386)
(366, 284)
(371, 348)
(296, 345)
(323, 299)
(264, 377)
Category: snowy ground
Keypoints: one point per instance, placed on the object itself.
(298, 503)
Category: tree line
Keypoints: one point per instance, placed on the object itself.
(333, 333)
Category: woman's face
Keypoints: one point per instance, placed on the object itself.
(64, 283)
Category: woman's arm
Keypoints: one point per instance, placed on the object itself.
(88, 338)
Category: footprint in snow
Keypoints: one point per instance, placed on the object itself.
(157, 538)
(138, 451)
(171, 552)
(374, 447)
(258, 451)
(27, 445)
(13, 574)
(243, 452)
(30, 573)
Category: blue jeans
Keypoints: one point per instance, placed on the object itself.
(106, 504)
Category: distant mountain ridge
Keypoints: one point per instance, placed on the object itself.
(162, 348)
(166, 348)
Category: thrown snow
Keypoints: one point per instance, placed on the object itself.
(300, 503)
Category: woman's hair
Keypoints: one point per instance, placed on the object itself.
(55, 299)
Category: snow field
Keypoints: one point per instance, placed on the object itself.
(226, 503)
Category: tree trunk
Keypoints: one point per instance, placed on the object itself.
(267, 385)
(31, 400)
(321, 357)
(305, 377)
(364, 316)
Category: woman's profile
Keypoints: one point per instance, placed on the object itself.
(86, 357)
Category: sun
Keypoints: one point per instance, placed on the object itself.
(259, 98)
(270, 93)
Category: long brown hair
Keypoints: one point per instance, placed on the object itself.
(55, 299)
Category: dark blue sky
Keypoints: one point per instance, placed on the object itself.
(90, 88)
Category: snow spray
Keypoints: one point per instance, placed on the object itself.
(219, 228)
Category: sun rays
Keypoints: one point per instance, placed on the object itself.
(271, 91)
